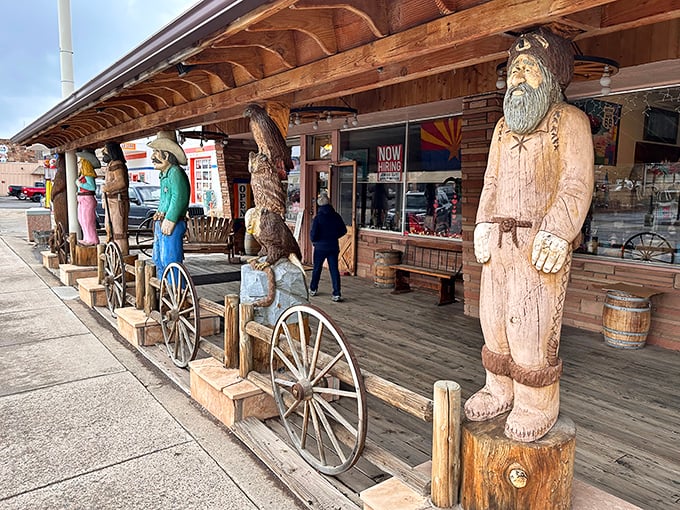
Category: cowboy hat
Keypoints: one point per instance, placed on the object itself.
(167, 141)
(89, 155)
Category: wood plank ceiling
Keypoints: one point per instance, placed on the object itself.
(310, 51)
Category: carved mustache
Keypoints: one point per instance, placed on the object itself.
(156, 160)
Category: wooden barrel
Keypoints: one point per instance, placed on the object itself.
(625, 320)
(383, 274)
(250, 245)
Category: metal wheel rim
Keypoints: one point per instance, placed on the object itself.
(180, 321)
(648, 247)
(114, 277)
(319, 421)
(142, 238)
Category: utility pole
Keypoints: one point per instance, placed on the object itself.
(67, 88)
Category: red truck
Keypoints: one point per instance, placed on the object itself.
(35, 193)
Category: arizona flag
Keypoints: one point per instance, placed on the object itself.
(440, 144)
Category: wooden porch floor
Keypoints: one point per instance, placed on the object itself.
(626, 404)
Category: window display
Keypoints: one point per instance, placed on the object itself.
(635, 212)
(408, 177)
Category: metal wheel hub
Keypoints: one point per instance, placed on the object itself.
(302, 390)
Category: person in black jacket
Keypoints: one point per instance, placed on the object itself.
(327, 227)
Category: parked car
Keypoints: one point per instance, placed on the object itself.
(416, 211)
(144, 200)
(35, 192)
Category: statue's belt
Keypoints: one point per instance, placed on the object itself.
(506, 225)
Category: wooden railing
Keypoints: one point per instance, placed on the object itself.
(241, 352)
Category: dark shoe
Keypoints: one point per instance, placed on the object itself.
(337, 299)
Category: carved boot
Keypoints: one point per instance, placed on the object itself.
(497, 394)
(537, 402)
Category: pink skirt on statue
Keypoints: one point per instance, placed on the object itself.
(87, 217)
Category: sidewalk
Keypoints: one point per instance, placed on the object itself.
(86, 422)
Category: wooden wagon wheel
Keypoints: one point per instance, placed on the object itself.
(328, 435)
(144, 236)
(114, 277)
(649, 247)
(60, 246)
(179, 312)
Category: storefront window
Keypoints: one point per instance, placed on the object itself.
(635, 212)
(293, 184)
(379, 153)
(434, 178)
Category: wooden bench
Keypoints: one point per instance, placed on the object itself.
(445, 265)
(209, 234)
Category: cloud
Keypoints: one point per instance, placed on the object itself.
(102, 33)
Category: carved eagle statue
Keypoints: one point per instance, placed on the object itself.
(275, 238)
(269, 139)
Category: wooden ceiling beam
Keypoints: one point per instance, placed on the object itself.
(320, 27)
(373, 12)
(447, 32)
(627, 14)
(123, 116)
(280, 43)
(245, 58)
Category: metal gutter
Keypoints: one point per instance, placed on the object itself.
(178, 36)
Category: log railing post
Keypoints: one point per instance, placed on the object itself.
(72, 241)
(140, 285)
(231, 331)
(446, 444)
(245, 342)
(101, 248)
(150, 294)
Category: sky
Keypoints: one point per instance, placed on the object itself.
(103, 31)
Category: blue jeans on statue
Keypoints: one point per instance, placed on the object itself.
(332, 257)
(167, 249)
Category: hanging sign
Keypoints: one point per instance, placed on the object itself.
(390, 162)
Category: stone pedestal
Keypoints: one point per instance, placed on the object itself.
(70, 273)
(91, 292)
(37, 219)
(225, 395)
(291, 289)
(504, 474)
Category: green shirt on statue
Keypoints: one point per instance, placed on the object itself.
(175, 190)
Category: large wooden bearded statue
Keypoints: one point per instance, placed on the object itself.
(537, 191)
(116, 199)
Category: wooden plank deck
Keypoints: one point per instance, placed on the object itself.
(626, 404)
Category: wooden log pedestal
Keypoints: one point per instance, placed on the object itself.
(504, 474)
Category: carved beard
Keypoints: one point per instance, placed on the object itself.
(523, 113)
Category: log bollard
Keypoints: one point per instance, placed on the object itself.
(231, 331)
(140, 285)
(445, 444)
(245, 342)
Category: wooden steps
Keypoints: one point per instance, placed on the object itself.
(305, 482)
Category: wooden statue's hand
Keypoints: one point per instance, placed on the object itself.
(167, 227)
(482, 235)
(549, 252)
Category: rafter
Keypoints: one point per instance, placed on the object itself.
(243, 57)
(280, 43)
(320, 27)
(373, 12)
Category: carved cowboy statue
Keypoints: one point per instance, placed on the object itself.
(536, 194)
(116, 199)
(169, 221)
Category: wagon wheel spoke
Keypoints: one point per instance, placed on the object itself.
(329, 431)
(114, 277)
(144, 236)
(289, 339)
(180, 321)
(307, 352)
(648, 247)
(317, 434)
